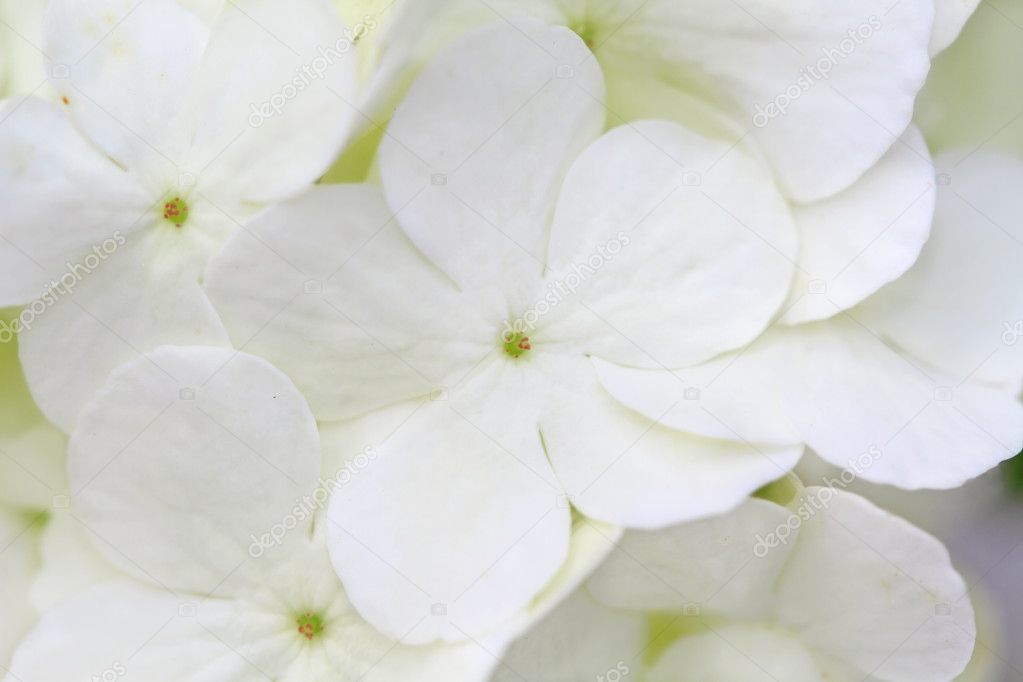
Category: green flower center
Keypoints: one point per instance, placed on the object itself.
(176, 211)
(516, 344)
(309, 624)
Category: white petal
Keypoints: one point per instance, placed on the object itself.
(473, 163)
(457, 523)
(329, 289)
(741, 653)
(732, 58)
(61, 197)
(854, 395)
(117, 53)
(301, 579)
(902, 612)
(197, 450)
(855, 242)
(718, 566)
(140, 291)
(273, 97)
(949, 19)
(884, 414)
(706, 399)
(621, 467)
(18, 565)
(133, 633)
(750, 56)
(961, 306)
(676, 246)
(580, 640)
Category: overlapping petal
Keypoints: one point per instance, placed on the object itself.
(458, 522)
(198, 450)
(693, 229)
(960, 307)
(475, 193)
(855, 242)
(329, 289)
(142, 290)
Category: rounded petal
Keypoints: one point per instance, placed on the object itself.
(330, 290)
(827, 88)
(855, 242)
(903, 613)
(705, 399)
(658, 230)
(846, 76)
(130, 632)
(273, 99)
(719, 566)
(198, 451)
(61, 197)
(456, 524)
(473, 163)
(132, 293)
(878, 411)
(961, 306)
(624, 468)
(117, 53)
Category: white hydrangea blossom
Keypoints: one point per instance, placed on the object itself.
(233, 580)
(511, 242)
(849, 592)
(166, 132)
(609, 265)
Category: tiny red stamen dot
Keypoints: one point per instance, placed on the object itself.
(176, 211)
(516, 344)
(309, 624)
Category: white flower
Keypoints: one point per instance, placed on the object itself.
(183, 476)
(853, 69)
(462, 327)
(917, 387)
(823, 92)
(852, 593)
(172, 131)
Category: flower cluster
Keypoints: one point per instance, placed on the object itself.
(465, 340)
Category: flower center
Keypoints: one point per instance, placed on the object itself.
(309, 624)
(176, 211)
(516, 344)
